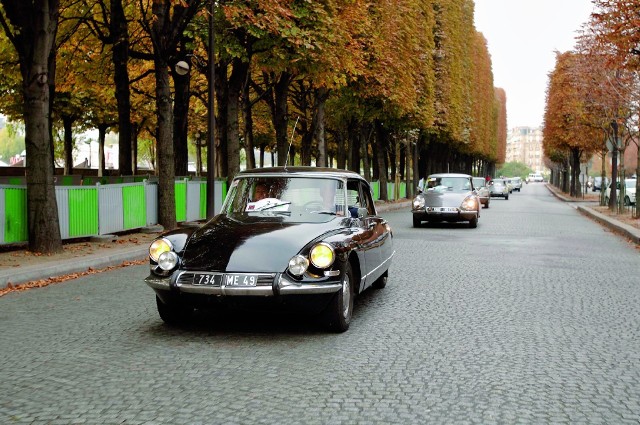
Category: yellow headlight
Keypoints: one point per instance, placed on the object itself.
(322, 255)
(158, 247)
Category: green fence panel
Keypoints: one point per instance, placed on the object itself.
(15, 225)
(134, 207)
(181, 201)
(403, 189)
(203, 200)
(83, 212)
(375, 188)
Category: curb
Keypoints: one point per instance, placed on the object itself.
(616, 226)
(393, 206)
(81, 264)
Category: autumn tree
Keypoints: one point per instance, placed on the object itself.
(31, 28)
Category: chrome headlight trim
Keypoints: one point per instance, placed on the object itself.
(418, 202)
(322, 255)
(298, 264)
(470, 203)
(168, 260)
(158, 247)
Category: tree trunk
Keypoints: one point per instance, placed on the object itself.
(67, 123)
(379, 154)
(248, 122)
(36, 24)
(102, 135)
(318, 130)
(222, 94)
(120, 56)
(236, 84)
(181, 121)
(281, 115)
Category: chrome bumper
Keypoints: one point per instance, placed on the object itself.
(283, 286)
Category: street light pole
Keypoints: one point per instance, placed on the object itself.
(211, 145)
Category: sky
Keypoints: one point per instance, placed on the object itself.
(522, 36)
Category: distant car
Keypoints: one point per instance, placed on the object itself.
(498, 189)
(629, 192)
(535, 178)
(313, 243)
(481, 188)
(509, 184)
(517, 183)
(597, 183)
(447, 197)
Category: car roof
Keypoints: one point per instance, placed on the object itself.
(448, 175)
(301, 172)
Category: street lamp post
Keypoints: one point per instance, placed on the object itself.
(211, 150)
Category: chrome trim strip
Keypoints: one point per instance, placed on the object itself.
(288, 287)
(332, 273)
(158, 282)
(227, 290)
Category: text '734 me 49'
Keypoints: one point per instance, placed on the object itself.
(303, 238)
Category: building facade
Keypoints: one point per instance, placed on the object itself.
(524, 144)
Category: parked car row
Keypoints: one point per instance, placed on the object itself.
(629, 192)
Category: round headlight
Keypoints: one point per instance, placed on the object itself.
(322, 255)
(168, 260)
(158, 247)
(418, 202)
(469, 204)
(298, 265)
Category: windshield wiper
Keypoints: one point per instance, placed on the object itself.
(274, 206)
(323, 212)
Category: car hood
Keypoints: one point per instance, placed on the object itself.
(444, 199)
(250, 244)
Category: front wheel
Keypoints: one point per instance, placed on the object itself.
(506, 198)
(627, 201)
(416, 221)
(340, 310)
(381, 282)
(173, 313)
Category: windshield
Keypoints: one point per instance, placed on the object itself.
(478, 183)
(301, 198)
(448, 183)
(630, 183)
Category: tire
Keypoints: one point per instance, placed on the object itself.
(487, 204)
(381, 282)
(506, 198)
(473, 223)
(627, 201)
(416, 221)
(340, 310)
(173, 314)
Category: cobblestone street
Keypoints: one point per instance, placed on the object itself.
(530, 318)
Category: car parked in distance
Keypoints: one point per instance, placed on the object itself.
(447, 197)
(517, 183)
(299, 238)
(629, 192)
(597, 183)
(481, 188)
(498, 189)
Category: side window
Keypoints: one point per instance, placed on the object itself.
(365, 199)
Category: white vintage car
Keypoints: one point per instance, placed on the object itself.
(447, 197)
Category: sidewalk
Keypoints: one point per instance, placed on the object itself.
(617, 226)
(19, 267)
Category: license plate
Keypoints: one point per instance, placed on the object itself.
(207, 279)
(448, 209)
(240, 280)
